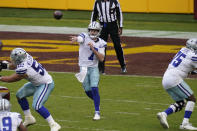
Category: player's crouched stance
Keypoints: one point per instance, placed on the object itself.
(9, 121)
(183, 63)
(40, 85)
(91, 51)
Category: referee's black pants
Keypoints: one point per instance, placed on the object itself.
(112, 29)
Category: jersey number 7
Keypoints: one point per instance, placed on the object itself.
(92, 55)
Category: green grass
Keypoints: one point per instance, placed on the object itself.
(140, 21)
(128, 103)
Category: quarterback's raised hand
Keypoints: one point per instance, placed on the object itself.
(91, 45)
(73, 39)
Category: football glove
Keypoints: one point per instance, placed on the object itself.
(3, 65)
(193, 72)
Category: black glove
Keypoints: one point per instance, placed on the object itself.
(3, 65)
(193, 72)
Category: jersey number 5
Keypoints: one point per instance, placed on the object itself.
(38, 67)
(178, 59)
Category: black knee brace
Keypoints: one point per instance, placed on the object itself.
(179, 105)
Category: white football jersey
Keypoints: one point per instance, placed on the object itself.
(86, 55)
(182, 64)
(37, 74)
(9, 121)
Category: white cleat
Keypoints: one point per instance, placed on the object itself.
(187, 126)
(29, 120)
(55, 127)
(97, 117)
(163, 120)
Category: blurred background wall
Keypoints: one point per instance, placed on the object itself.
(147, 6)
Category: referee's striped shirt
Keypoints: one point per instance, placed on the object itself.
(107, 11)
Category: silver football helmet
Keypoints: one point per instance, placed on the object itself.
(18, 55)
(94, 26)
(192, 44)
(4, 105)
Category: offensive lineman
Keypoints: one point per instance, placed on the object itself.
(9, 121)
(91, 51)
(183, 63)
(40, 85)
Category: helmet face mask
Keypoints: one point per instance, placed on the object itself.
(94, 30)
(192, 44)
(4, 105)
(18, 55)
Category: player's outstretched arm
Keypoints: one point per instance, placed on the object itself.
(73, 39)
(12, 78)
(22, 127)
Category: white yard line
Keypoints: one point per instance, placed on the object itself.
(117, 100)
(74, 30)
(128, 113)
(67, 121)
(79, 128)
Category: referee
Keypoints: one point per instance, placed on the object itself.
(111, 20)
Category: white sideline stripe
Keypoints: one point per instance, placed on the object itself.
(78, 128)
(127, 113)
(75, 30)
(67, 121)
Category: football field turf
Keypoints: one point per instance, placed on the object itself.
(128, 103)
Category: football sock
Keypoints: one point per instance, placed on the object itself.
(169, 111)
(89, 94)
(24, 104)
(43, 112)
(97, 112)
(27, 112)
(96, 98)
(188, 111)
(50, 119)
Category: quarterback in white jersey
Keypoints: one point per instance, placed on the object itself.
(91, 51)
(40, 86)
(9, 121)
(87, 58)
(183, 63)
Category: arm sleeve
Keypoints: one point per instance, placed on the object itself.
(81, 38)
(119, 14)
(102, 51)
(102, 48)
(194, 60)
(94, 12)
(21, 70)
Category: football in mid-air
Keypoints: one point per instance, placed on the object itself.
(57, 14)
